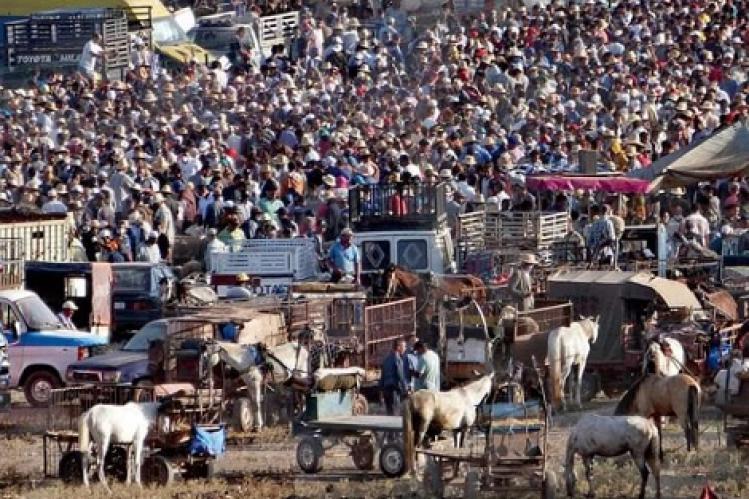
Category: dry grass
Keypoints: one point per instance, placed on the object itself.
(264, 466)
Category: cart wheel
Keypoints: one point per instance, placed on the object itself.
(363, 454)
(157, 470)
(549, 485)
(115, 463)
(472, 485)
(201, 469)
(309, 454)
(392, 460)
(433, 482)
(242, 418)
(70, 467)
(360, 405)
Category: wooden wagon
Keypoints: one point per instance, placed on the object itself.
(511, 458)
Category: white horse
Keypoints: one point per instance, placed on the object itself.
(287, 361)
(665, 365)
(567, 347)
(610, 436)
(116, 424)
(452, 410)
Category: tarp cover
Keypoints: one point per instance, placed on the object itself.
(724, 154)
(673, 293)
(618, 185)
(618, 297)
(208, 441)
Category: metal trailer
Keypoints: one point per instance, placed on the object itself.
(365, 436)
(368, 328)
(511, 460)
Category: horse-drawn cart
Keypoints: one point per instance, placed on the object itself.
(511, 459)
(62, 458)
(184, 440)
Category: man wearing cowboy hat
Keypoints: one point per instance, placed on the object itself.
(66, 316)
(521, 282)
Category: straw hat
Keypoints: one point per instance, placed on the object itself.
(528, 259)
(149, 97)
(328, 180)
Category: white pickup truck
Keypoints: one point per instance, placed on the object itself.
(40, 348)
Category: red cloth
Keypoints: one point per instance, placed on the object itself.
(707, 493)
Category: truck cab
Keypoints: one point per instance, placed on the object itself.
(402, 225)
(39, 347)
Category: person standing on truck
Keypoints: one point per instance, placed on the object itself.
(66, 316)
(149, 250)
(521, 282)
(393, 385)
(343, 258)
(92, 53)
(240, 53)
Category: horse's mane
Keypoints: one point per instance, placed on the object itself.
(625, 405)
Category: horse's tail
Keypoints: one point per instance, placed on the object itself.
(84, 439)
(693, 410)
(569, 464)
(84, 436)
(554, 353)
(409, 441)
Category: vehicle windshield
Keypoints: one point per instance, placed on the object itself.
(37, 314)
(149, 332)
(166, 31)
(133, 279)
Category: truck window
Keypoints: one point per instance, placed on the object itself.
(166, 31)
(36, 314)
(133, 279)
(375, 255)
(9, 318)
(413, 254)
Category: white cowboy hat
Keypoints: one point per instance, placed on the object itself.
(69, 305)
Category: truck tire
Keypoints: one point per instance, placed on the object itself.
(38, 386)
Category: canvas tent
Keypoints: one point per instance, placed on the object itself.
(724, 154)
(619, 298)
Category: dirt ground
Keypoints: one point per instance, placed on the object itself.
(265, 466)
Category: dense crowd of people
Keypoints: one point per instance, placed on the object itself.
(478, 101)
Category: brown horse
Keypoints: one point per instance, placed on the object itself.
(431, 289)
(654, 396)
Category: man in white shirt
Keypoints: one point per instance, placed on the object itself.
(54, 205)
(149, 250)
(66, 316)
(91, 53)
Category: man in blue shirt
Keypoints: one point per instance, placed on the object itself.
(343, 258)
(393, 379)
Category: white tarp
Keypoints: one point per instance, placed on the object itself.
(724, 154)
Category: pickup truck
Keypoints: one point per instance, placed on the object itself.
(39, 347)
(129, 364)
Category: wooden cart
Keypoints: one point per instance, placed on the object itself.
(512, 458)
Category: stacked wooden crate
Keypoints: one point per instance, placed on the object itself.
(531, 231)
